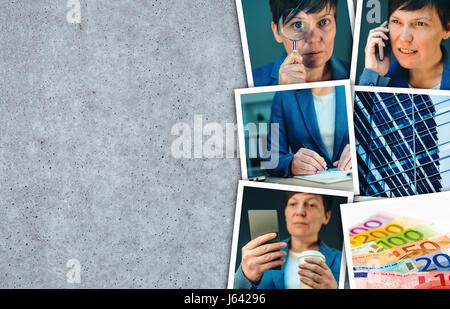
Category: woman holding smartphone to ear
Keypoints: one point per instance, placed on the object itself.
(415, 30)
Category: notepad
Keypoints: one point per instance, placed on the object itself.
(329, 176)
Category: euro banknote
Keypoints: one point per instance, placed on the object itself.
(373, 222)
(396, 226)
(370, 247)
(409, 250)
(361, 273)
(412, 234)
(401, 266)
(417, 280)
(435, 261)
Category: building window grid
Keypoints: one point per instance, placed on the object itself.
(368, 155)
(369, 159)
(380, 109)
(397, 168)
(432, 161)
(419, 113)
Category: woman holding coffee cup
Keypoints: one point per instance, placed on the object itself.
(305, 214)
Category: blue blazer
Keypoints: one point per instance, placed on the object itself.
(295, 113)
(274, 279)
(268, 75)
(398, 76)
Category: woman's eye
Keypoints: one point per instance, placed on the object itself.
(312, 205)
(298, 25)
(324, 22)
(394, 21)
(420, 23)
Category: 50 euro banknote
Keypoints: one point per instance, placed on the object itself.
(409, 250)
(418, 280)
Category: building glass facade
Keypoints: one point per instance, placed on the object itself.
(397, 143)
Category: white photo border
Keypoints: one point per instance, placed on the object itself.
(271, 186)
(419, 91)
(351, 129)
(356, 35)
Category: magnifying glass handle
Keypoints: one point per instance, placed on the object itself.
(295, 50)
(295, 47)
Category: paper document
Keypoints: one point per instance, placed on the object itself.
(329, 176)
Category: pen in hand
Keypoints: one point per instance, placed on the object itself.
(325, 167)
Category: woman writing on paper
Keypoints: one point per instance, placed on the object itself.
(305, 214)
(414, 32)
(312, 132)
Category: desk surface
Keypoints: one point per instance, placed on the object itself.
(341, 186)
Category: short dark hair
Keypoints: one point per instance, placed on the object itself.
(442, 7)
(282, 8)
(327, 200)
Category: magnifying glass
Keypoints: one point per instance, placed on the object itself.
(295, 27)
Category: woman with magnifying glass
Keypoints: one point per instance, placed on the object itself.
(314, 59)
(312, 123)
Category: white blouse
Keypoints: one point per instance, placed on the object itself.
(325, 106)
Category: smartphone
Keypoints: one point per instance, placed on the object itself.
(263, 222)
(380, 51)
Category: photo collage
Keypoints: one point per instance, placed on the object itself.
(344, 133)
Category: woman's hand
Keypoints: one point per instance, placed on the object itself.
(316, 274)
(377, 36)
(345, 161)
(307, 162)
(258, 257)
(292, 70)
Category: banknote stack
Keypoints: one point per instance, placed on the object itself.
(399, 252)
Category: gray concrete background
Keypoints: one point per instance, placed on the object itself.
(86, 113)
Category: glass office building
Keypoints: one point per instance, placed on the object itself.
(402, 143)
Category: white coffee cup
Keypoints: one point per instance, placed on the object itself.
(301, 260)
